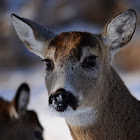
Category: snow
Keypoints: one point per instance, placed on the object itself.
(54, 105)
(55, 128)
(59, 98)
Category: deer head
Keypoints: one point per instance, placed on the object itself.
(16, 122)
(77, 63)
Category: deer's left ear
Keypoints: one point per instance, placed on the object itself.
(119, 30)
(34, 36)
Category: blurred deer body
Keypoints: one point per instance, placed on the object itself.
(16, 122)
(82, 85)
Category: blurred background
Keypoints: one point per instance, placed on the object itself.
(18, 65)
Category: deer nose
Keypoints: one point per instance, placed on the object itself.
(61, 99)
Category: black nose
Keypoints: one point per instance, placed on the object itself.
(61, 99)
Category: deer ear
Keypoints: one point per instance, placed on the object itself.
(119, 30)
(35, 37)
(22, 99)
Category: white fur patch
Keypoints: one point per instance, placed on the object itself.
(79, 117)
(63, 114)
(84, 118)
(26, 34)
(13, 113)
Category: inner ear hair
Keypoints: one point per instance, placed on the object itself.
(118, 32)
(34, 36)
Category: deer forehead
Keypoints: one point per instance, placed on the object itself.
(71, 44)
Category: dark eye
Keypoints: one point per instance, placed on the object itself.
(49, 64)
(89, 61)
(38, 135)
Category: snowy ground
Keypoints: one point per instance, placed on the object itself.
(55, 128)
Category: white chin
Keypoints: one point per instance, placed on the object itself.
(68, 112)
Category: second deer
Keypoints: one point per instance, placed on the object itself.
(16, 122)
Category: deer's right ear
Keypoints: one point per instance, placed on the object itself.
(35, 37)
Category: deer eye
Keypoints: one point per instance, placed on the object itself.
(38, 135)
(89, 61)
(49, 64)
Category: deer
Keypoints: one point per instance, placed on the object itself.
(82, 86)
(16, 122)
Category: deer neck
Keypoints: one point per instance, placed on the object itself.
(101, 122)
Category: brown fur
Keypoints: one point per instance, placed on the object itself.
(72, 43)
(24, 127)
(119, 115)
(5, 109)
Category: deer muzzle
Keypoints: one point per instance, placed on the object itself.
(61, 99)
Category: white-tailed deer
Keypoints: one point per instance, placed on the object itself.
(82, 85)
(16, 122)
